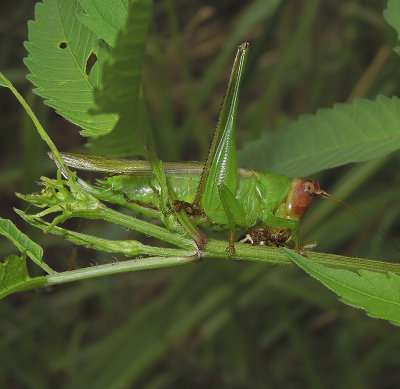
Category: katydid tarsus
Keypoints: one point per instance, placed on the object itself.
(216, 194)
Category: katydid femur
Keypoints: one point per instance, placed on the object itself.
(216, 194)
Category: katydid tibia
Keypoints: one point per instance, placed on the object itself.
(217, 194)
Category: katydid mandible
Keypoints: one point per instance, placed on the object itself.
(215, 195)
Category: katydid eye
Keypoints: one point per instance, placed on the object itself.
(309, 188)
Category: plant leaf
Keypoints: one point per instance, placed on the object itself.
(59, 49)
(377, 293)
(14, 276)
(121, 85)
(23, 243)
(13, 272)
(332, 137)
(392, 16)
(104, 17)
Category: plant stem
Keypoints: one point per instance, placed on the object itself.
(118, 267)
(37, 124)
(132, 223)
(274, 255)
(215, 249)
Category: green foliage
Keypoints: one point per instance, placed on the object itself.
(14, 276)
(332, 137)
(121, 85)
(213, 323)
(377, 293)
(346, 133)
(13, 272)
(76, 38)
(392, 16)
(21, 241)
(104, 17)
(59, 49)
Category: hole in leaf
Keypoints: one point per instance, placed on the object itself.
(63, 45)
(90, 62)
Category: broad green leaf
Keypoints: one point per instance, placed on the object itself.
(332, 137)
(392, 16)
(14, 276)
(21, 241)
(121, 85)
(377, 293)
(59, 49)
(104, 17)
(13, 273)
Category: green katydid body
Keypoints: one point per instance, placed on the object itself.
(267, 199)
(262, 195)
(216, 194)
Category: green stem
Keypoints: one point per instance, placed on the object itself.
(214, 249)
(129, 248)
(37, 124)
(274, 255)
(143, 226)
(107, 214)
(118, 267)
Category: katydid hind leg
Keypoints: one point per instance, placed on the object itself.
(221, 163)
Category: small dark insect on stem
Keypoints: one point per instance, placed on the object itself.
(391, 239)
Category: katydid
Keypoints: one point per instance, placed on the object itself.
(217, 194)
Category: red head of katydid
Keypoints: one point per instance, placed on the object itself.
(301, 196)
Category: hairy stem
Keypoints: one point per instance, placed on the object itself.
(118, 267)
(214, 249)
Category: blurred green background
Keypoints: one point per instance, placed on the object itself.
(213, 323)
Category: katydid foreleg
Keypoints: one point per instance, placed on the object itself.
(261, 236)
(279, 227)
